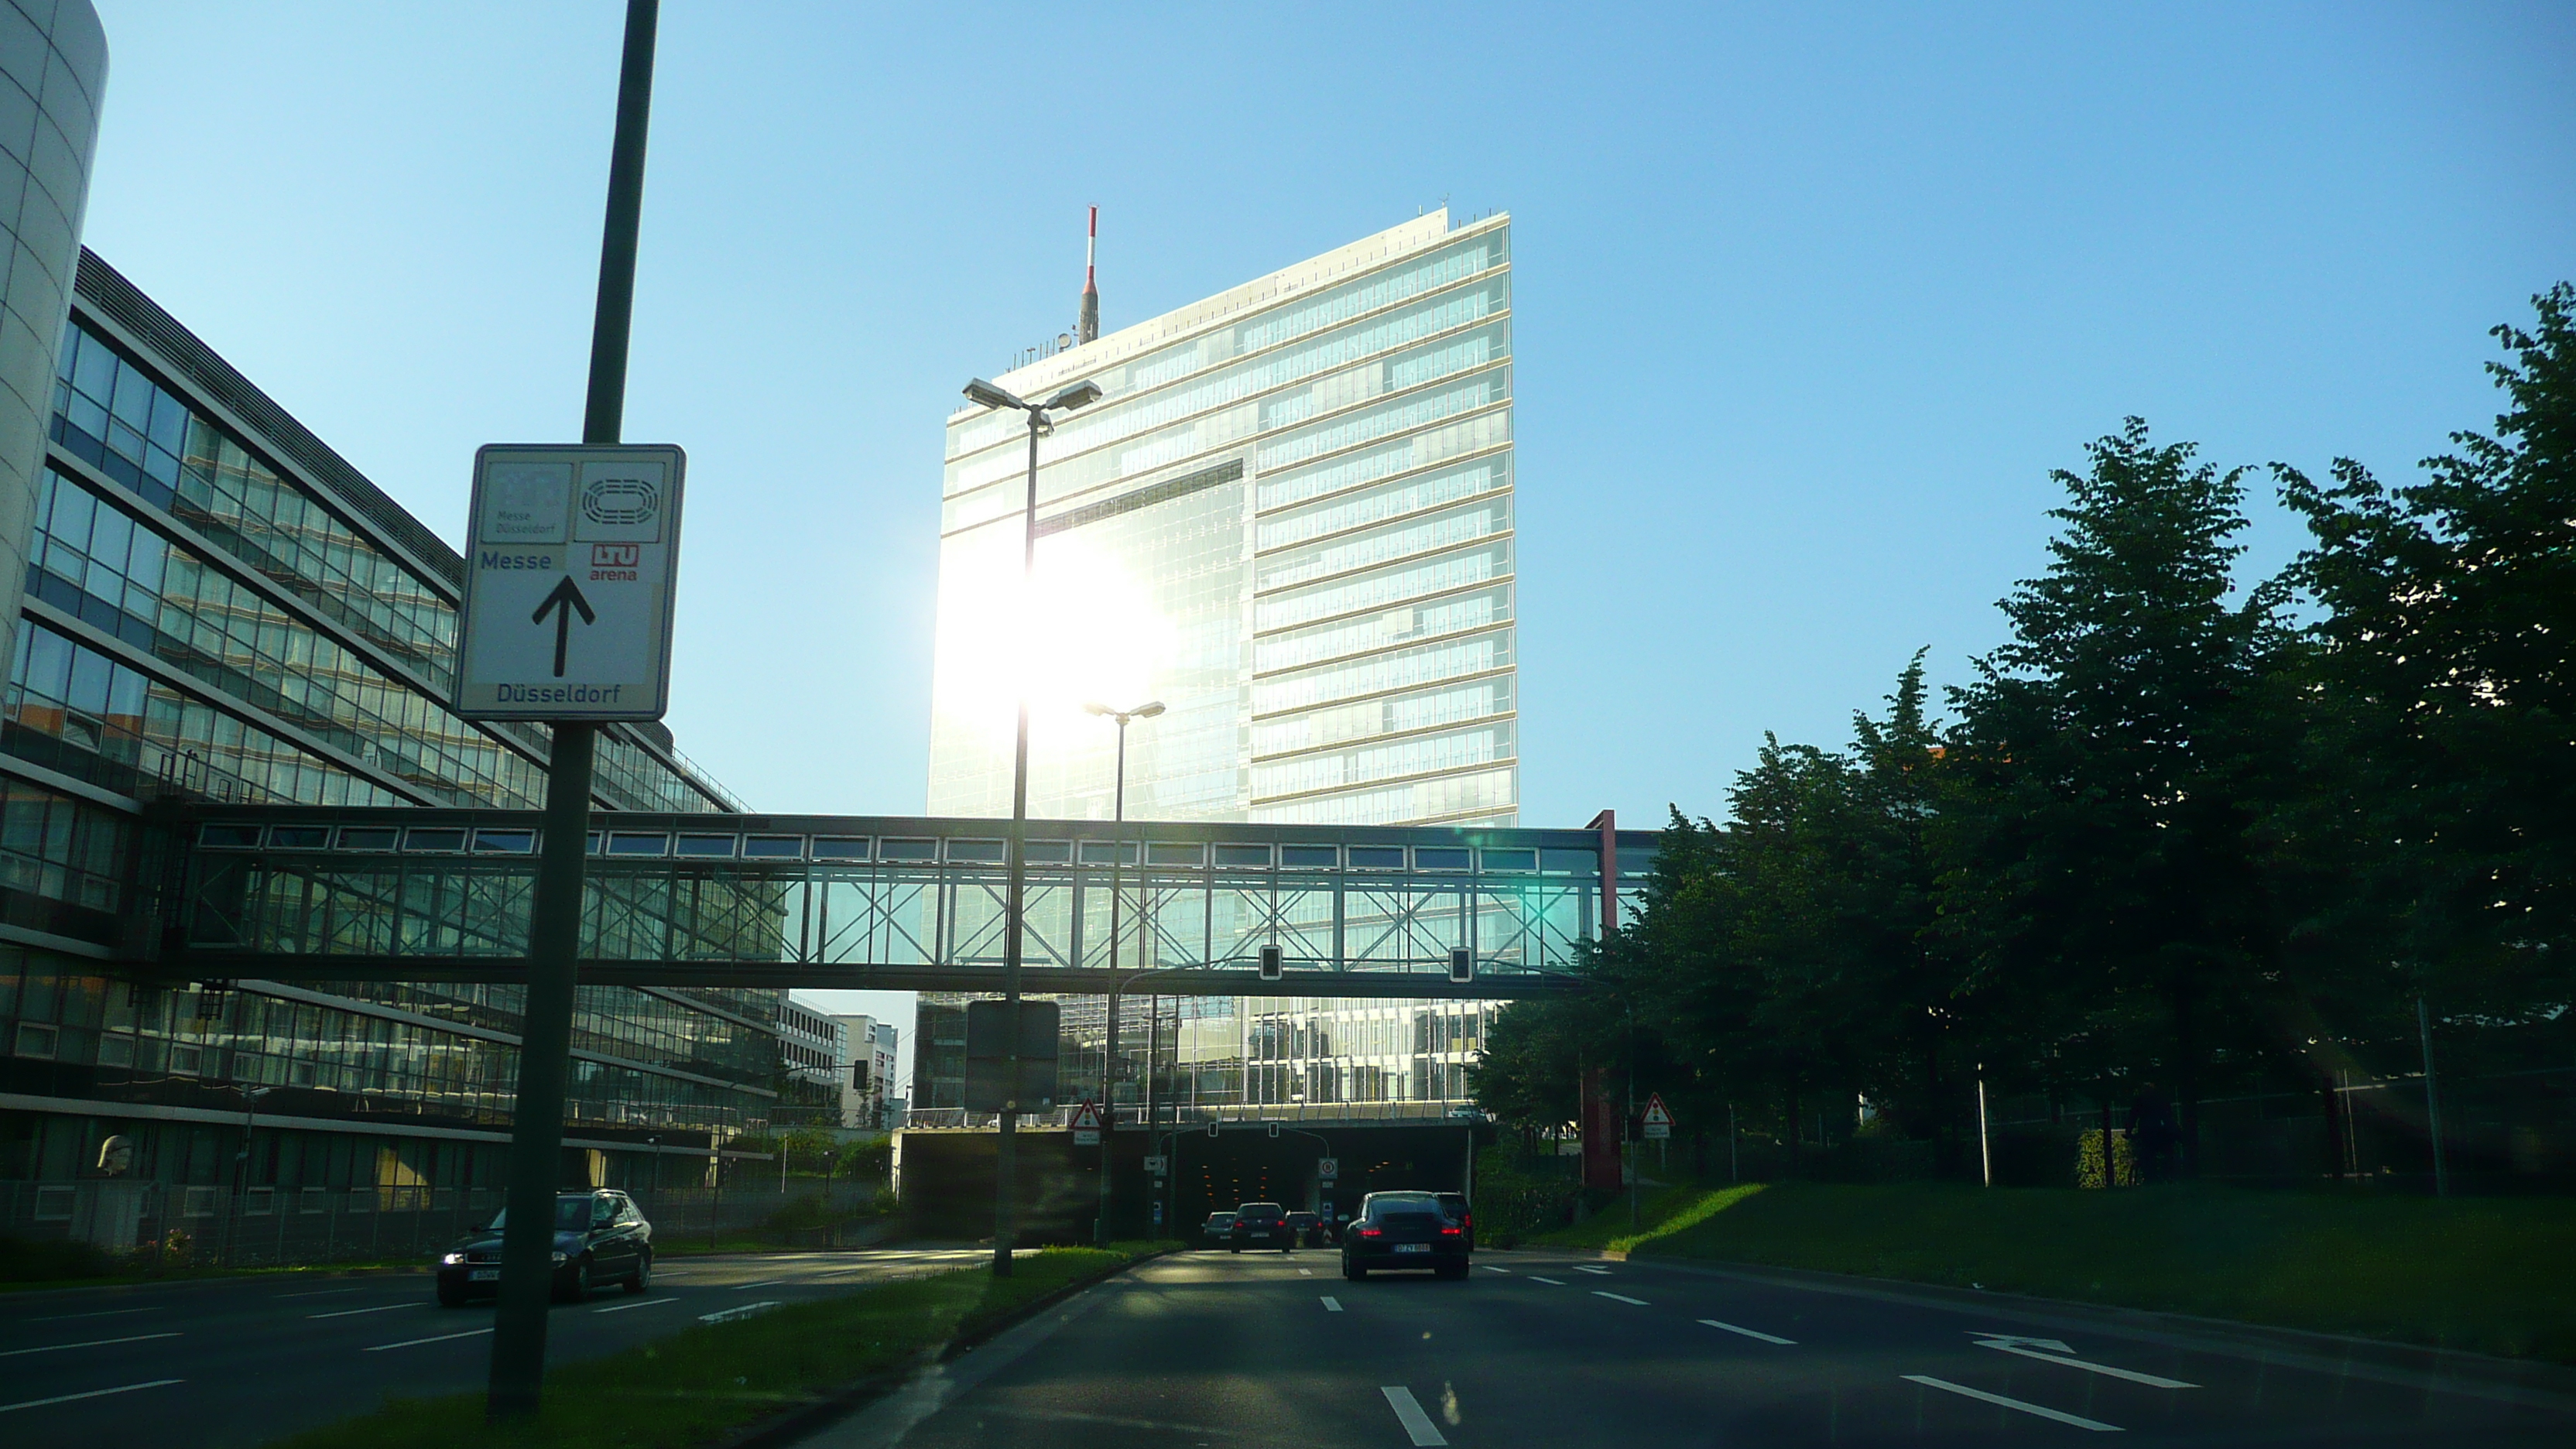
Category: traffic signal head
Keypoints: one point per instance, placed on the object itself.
(1212, 1127)
(1462, 965)
(1271, 969)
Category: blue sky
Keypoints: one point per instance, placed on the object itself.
(1809, 299)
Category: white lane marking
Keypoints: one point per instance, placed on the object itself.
(1556, 1282)
(1749, 1333)
(763, 1283)
(2132, 1375)
(2044, 1345)
(320, 1293)
(1490, 1268)
(1580, 1268)
(92, 1394)
(416, 1342)
(353, 1312)
(2078, 1420)
(1332, 1305)
(638, 1303)
(748, 1310)
(101, 1313)
(1305, 1272)
(92, 1343)
(1408, 1412)
(1622, 1297)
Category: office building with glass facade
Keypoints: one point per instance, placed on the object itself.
(1289, 519)
(215, 605)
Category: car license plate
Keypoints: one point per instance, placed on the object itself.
(1260, 1235)
(483, 1275)
(1413, 1247)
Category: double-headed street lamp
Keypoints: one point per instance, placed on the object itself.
(1081, 394)
(1109, 1052)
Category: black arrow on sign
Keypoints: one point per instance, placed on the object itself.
(567, 597)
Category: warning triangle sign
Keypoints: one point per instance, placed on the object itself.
(1086, 1117)
(1656, 1116)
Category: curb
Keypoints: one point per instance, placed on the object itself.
(806, 1419)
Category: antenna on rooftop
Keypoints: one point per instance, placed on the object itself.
(1089, 329)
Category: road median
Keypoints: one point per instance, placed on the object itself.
(749, 1382)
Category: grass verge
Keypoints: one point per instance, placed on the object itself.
(2484, 1274)
(713, 1380)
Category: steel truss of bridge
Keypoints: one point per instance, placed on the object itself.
(704, 900)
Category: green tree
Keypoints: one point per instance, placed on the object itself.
(2103, 876)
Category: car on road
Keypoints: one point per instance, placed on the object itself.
(1219, 1228)
(1403, 1230)
(1455, 1205)
(1262, 1225)
(600, 1237)
(1308, 1228)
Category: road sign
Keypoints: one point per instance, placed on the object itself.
(1659, 1123)
(991, 1085)
(570, 553)
(1086, 1126)
(1328, 1168)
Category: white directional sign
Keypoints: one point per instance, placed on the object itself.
(569, 559)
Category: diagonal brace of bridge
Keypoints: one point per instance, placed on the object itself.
(705, 900)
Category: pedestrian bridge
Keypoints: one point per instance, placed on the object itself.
(405, 893)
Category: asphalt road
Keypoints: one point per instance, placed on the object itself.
(1568, 1352)
(237, 1362)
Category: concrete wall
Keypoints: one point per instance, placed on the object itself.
(53, 74)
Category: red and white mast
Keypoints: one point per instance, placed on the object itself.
(1089, 329)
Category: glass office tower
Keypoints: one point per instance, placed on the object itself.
(216, 605)
(1289, 519)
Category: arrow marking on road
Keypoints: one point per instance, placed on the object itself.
(1751, 1333)
(2132, 1375)
(566, 597)
(2042, 1411)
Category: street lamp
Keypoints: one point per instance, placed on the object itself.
(1109, 1052)
(1081, 394)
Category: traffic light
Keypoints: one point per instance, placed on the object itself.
(1271, 969)
(1462, 965)
(858, 1076)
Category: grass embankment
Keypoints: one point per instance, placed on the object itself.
(31, 1266)
(710, 1380)
(2486, 1274)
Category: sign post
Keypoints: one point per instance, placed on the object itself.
(1086, 1128)
(1659, 1128)
(554, 926)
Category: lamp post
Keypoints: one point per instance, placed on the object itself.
(1081, 394)
(1109, 1051)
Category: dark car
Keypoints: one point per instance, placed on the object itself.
(600, 1237)
(1403, 1230)
(1262, 1225)
(1308, 1227)
(1219, 1227)
(1455, 1205)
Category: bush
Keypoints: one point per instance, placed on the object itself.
(24, 1260)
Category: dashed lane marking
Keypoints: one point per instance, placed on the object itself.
(1751, 1332)
(2132, 1375)
(1553, 1282)
(1622, 1297)
(1408, 1412)
(1332, 1305)
(91, 1343)
(417, 1342)
(638, 1303)
(2042, 1410)
(380, 1308)
(92, 1394)
(1490, 1268)
(100, 1313)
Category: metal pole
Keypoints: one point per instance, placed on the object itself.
(1629, 1127)
(2432, 1101)
(1734, 1159)
(1005, 1211)
(1985, 1150)
(1109, 1052)
(554, 925)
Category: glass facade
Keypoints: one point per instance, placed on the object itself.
(216, 609)
(1289, 519)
